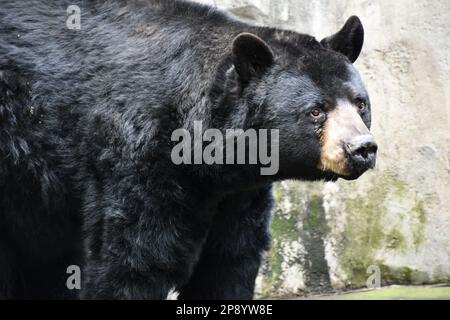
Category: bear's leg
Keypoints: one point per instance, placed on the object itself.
(7, 275)
(140, 252)
(232, 254)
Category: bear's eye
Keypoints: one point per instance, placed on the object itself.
(316, 113)
(361, 105)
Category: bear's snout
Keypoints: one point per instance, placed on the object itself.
(348, 147)
(362, 152)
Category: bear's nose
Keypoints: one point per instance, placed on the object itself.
(362, 151)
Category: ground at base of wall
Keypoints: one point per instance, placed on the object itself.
(438, 292)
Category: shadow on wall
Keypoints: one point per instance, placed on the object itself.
(396, 217)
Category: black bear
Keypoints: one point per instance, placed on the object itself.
(88, 109)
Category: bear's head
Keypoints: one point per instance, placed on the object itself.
(312, 93)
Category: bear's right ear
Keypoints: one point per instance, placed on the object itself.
(251, 56)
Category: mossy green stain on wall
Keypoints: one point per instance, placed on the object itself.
(419, 228)
(298, 217)
(272, 277)
(284, 230)
(314, 231)
(402, 275)
(315, 216)
(396, 241)
(368, 231)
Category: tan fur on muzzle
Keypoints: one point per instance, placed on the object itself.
(341, 125)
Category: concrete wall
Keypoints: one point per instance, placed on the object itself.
(398, 216)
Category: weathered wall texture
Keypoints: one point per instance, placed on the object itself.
(397, 216)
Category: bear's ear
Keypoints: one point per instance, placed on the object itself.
(349, 40)
(251, 56)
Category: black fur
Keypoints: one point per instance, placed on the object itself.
(86, 119)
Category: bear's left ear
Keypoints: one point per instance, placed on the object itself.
(251, 56)
(349, 40)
